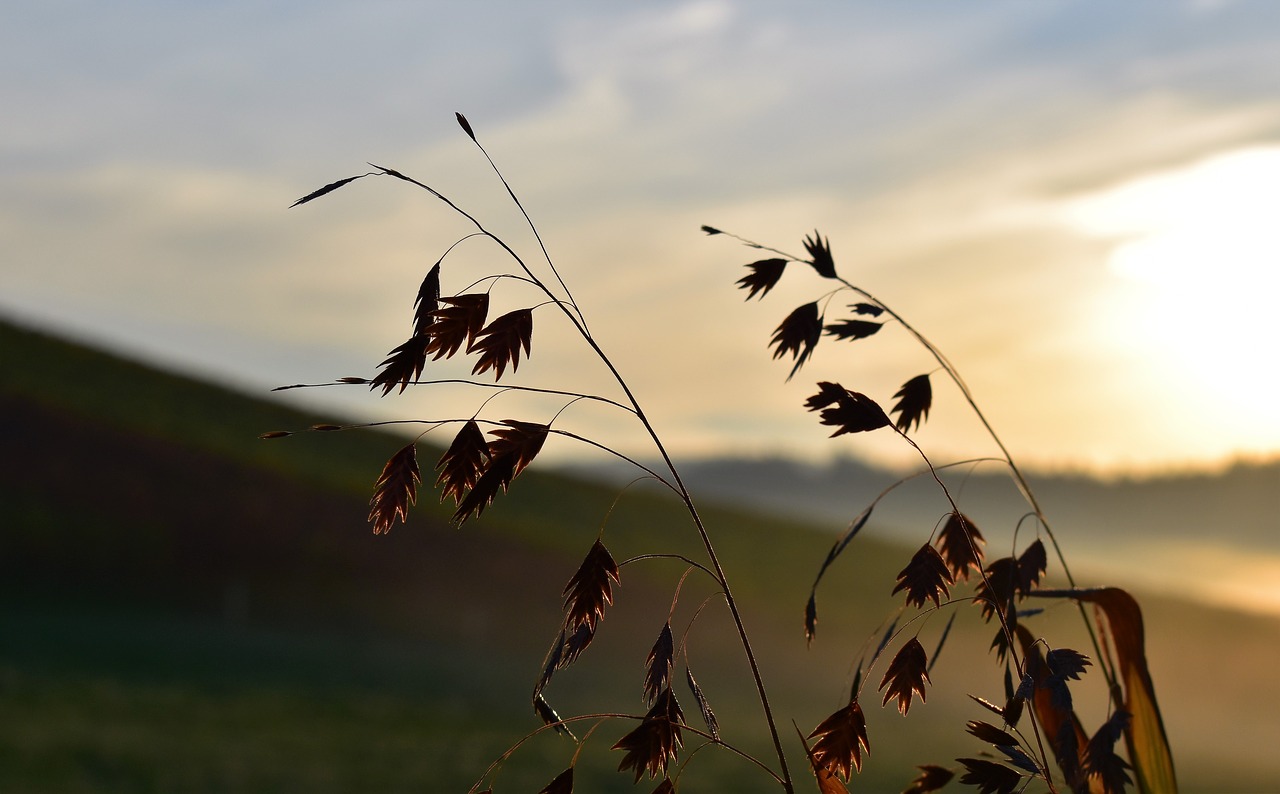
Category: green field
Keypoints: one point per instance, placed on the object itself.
(186, 608)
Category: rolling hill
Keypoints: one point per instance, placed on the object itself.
(185, 607)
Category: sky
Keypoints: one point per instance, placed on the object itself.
(1072, 200)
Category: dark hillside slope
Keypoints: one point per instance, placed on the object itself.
(186, 607)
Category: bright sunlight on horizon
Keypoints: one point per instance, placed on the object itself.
(1201, 244)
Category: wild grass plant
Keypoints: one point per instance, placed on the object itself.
(1026, 735)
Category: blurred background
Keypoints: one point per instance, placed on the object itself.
(1074, 200)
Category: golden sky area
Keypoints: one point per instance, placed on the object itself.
(1072, 200)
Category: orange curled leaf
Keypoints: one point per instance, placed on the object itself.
(819, 251)
(798, 335)
(957, 543)
(841, 740)
(456, 324)
(763, 277)
(656, 741)
(907, 674)
(500, 342)
(462, 463)
(914, 400)
(395, 489)
(589, 590)
(1145, 737)
(925, 578)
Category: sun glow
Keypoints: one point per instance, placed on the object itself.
(1198, 252)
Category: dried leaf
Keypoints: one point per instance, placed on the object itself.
(458, 323)
(991, 734)
(550, 717)
(907, 673)
(931, 778)
(710, 230)
(465, 125)
(914, 399)
(462, 463)
(1148, 744)
(563, 783)
(656, 741)
(657, 676)
(957, 543)
(763, 277)
(329, 188)
(1100, 760)
(270, 434)
(1050, 698)
(797, 335)
(428, 301)
(841, 740)
(402, 366)
(352, 379)
(665, 787)
(500, 342)
(820, 255)
(867, 309)
(989, 776)
(708, 716)
(925, 578)
(590, 590)
(853, 412)
(395, 489)
(852, 329)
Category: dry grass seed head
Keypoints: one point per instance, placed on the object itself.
(395, 490)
